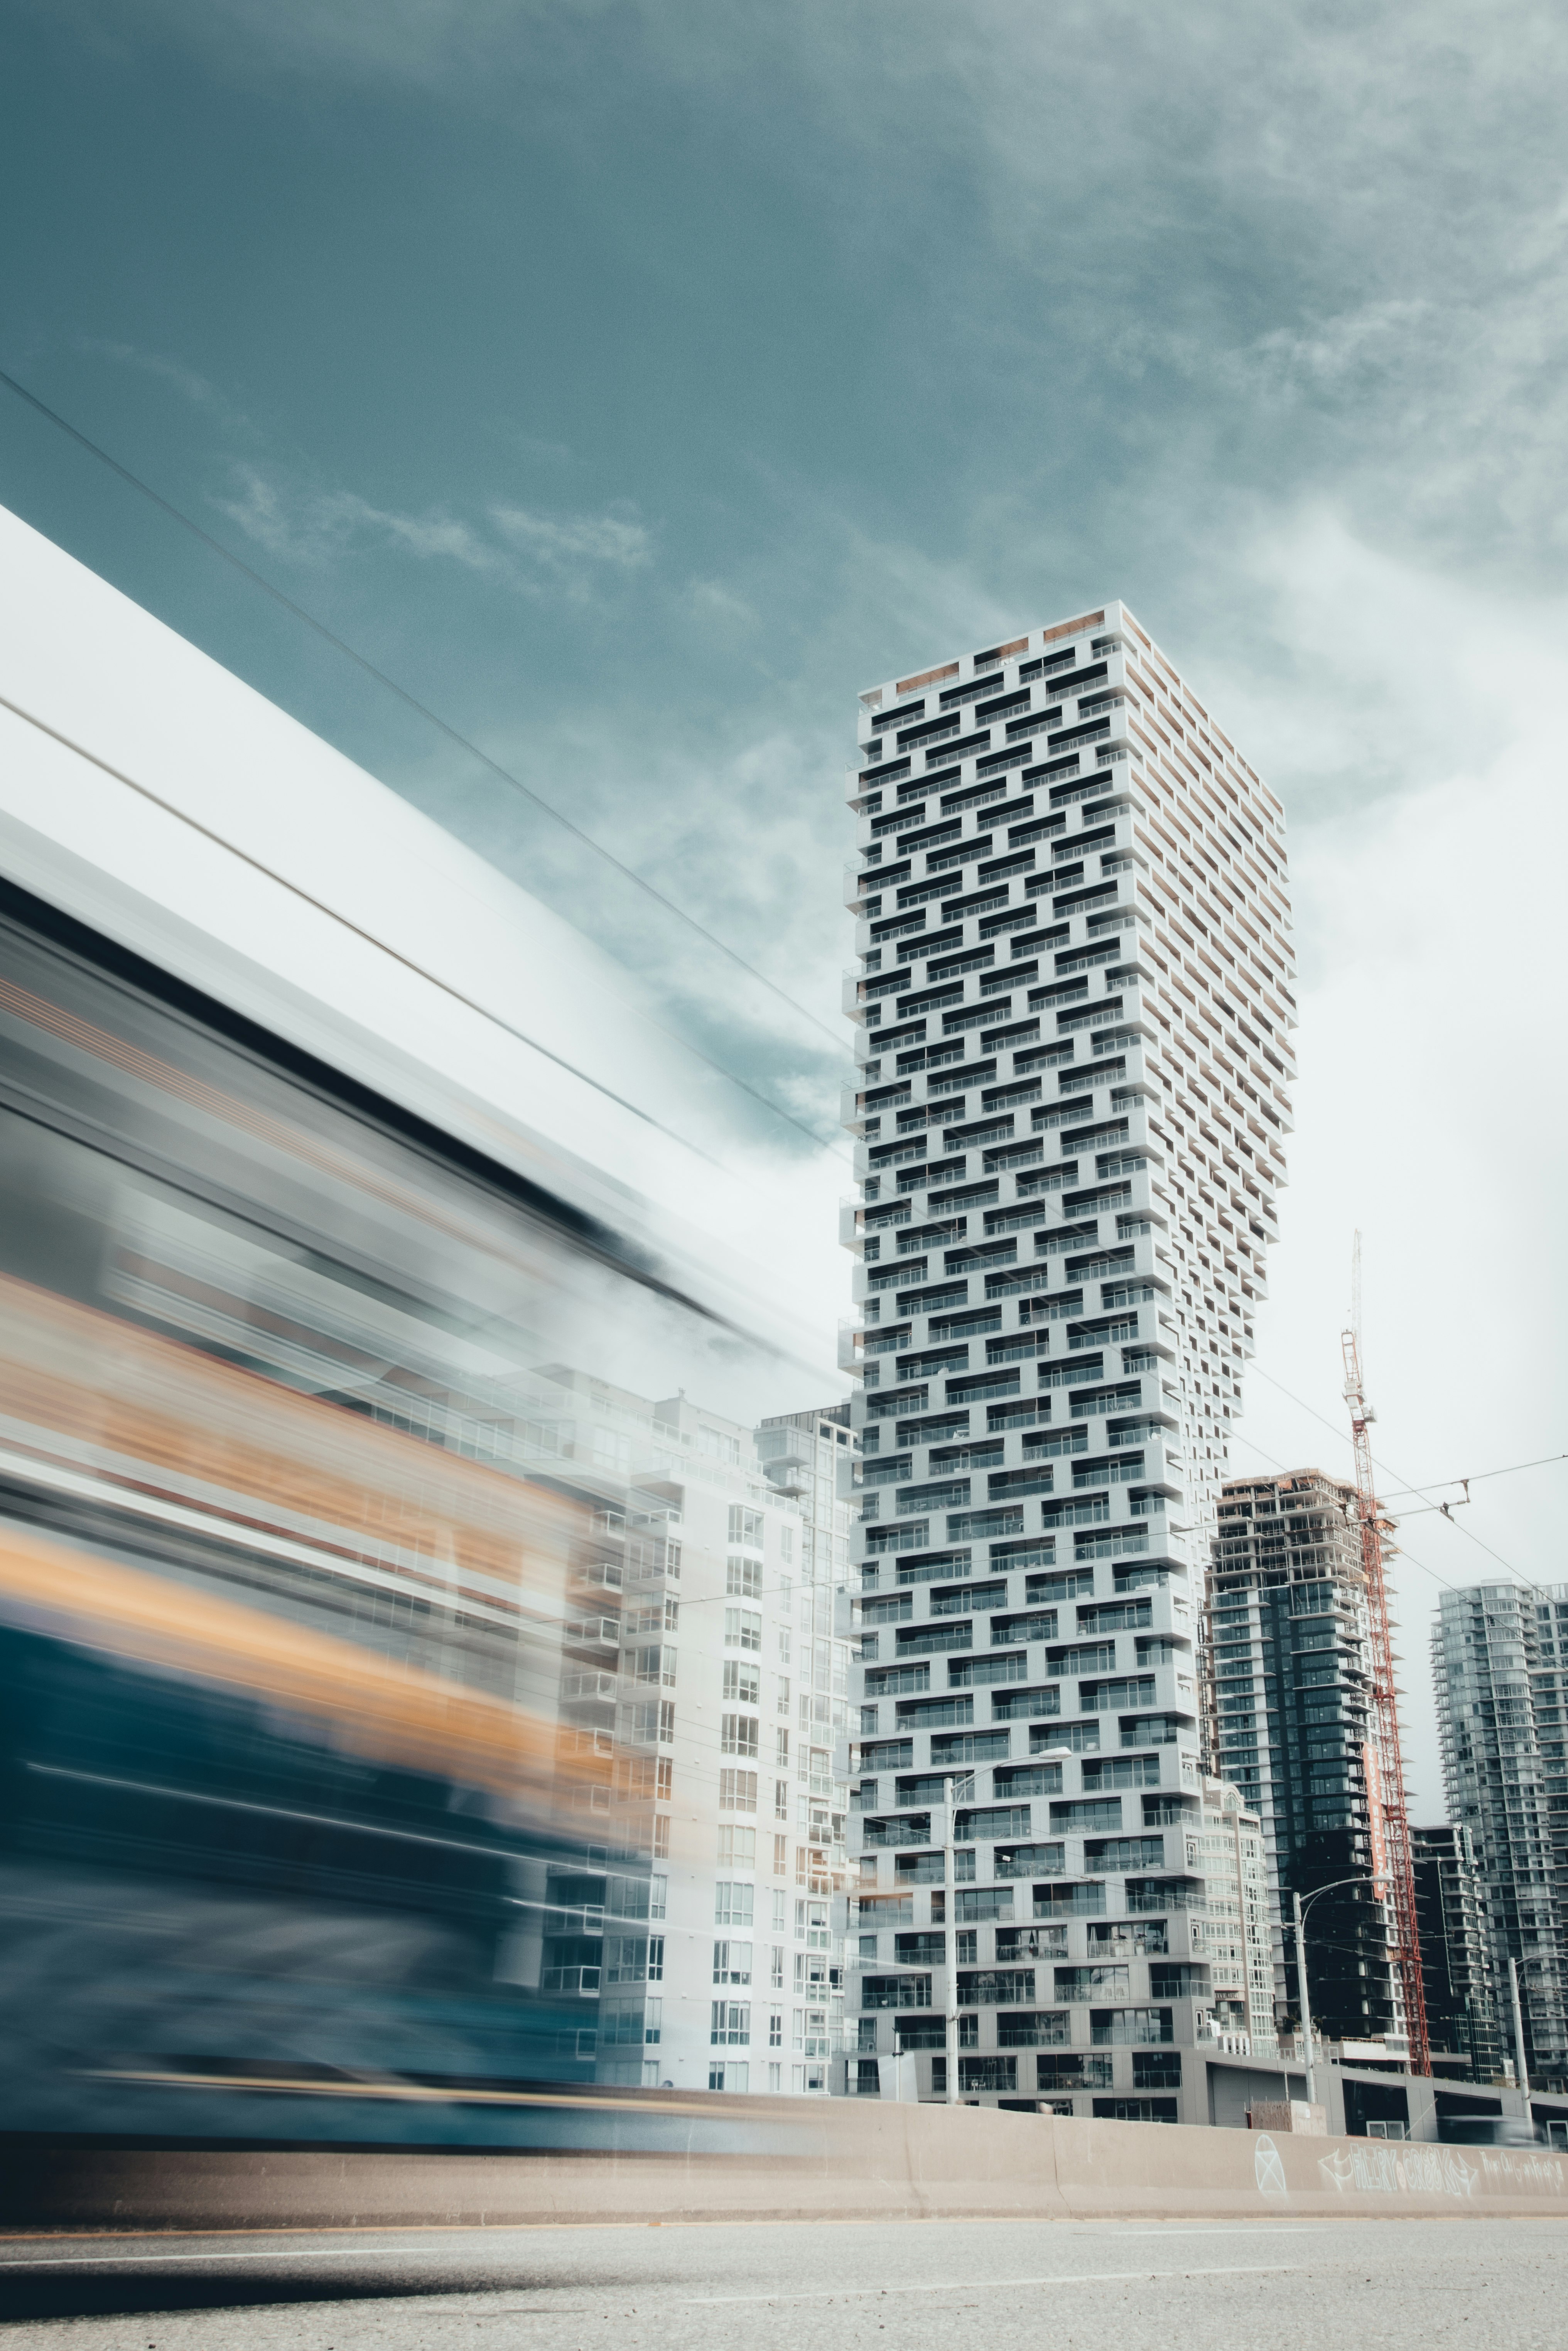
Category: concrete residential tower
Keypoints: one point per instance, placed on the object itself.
(700, 1664)
(1499, 1662)
(1073, 994)
(1290, 1668)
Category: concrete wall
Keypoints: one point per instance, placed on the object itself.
(727, 2158)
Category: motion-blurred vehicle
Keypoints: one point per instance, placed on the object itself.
(331, 1169)
(1490, 2130)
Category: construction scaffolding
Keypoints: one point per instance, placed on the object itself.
(1393, 1857)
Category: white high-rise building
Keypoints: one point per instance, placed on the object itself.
(1075, 1010)
(701, 1662)
(1499, 1665)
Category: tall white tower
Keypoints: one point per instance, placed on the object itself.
(1074, 1000)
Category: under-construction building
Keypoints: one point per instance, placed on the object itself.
(1288, 1674)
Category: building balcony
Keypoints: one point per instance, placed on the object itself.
(575, 1982)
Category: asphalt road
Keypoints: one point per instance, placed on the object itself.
(850, 2286)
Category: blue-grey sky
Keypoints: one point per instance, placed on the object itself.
(636, 382)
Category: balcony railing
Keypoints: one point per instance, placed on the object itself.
(582, 1981)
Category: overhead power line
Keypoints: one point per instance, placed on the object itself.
(1423, 1492)
(1284, 1471)
(411, 702)
(1476, 1478)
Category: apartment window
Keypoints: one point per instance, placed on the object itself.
(738, 1734)
(776, 1967)
(732, 1963)
(743, 1578)
(776, 2078)
(625, 1959)
(786, 1592)
(658, 1897)
(660, 1836)
(667, 1721)
(737, 1791)
(776, 2028)
(780, 1800)
(656, 1957)
(666, 1789)
(780, 1911)
(780, 1856)
(745, 1526)
(983, 2074)
(733, 1904)
(742, 1629)
(634, 1777)
(1156, 2069)
(653, 2021)
(742, 1681)
(730, 2025)
(736, 1848)
(781, 1750)
(1120, 2026)
(784, 1659)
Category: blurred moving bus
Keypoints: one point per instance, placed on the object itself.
(317, 1139)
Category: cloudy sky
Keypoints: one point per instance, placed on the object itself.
(633, 383)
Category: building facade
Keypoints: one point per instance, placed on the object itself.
(1499, 1664)
(702, 1667)
(1458, 1965)
(1290, 1689)
(1073, 998)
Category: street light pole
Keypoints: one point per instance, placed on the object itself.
(1301, 1992)
(1517, 2033)
(1300, 1909)
(949, 1831)
(950, 2037)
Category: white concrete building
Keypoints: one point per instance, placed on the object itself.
(1499, 1665)
(708, 1672)
(1073, 995)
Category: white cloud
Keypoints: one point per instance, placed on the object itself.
(567, 544)
(526, 551)
(185, 381)
(1429, 1113)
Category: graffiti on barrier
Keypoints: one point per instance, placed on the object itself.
(1374, 2168)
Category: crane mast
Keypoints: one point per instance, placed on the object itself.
(1388, 1794)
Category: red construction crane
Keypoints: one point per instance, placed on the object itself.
(1390, 1818)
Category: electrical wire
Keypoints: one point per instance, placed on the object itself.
(1478, 1477)
(411, 702)
(1285, 1472)
(1423, 1492)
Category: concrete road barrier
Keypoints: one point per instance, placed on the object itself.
(728, 2159)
